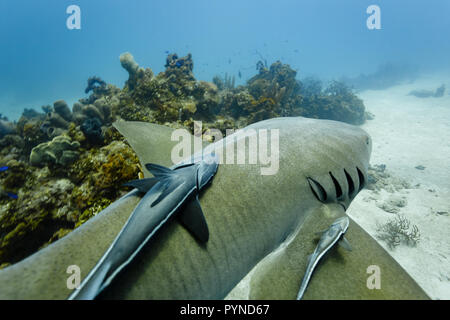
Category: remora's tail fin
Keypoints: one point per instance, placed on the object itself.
(157, 170)
(143, 185)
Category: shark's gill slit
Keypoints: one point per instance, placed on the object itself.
(337, 186)
(318, 190)
(362, 180)
(351, 185)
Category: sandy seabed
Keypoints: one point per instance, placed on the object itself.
(408, 132)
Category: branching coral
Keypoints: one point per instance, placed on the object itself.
(95, 84)
(397, 231)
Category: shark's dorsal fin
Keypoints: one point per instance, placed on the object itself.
(194, 221)
(152, 142)
(143, 185)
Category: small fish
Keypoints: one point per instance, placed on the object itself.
(4, 168)
(178, 64)
(229, 61)
(12, 195)
(167, 52)
(328, 239)
(240, 74)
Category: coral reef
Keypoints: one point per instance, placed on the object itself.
(100, 109)
(386, 75)
(6, 128)
(336, 102)
(49, 206)
(134, 72)
(92, 129)
(439, 92)
(57, 119)
(380, 178)
(60, 151)
(224, 83)
(60, 167)
(397, 231)
(97, 85)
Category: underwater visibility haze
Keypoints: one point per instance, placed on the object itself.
(322, 122)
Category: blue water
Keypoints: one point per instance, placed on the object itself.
(41, 60)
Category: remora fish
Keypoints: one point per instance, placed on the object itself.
(164, 195)
(249, 217)
(328, 239)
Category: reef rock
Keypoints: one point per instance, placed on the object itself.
(61, 150)
(6, 128)
(57, 119)
(100, 109)
(92, 129)
(134, 71)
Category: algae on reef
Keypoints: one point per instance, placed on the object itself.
(63, 166)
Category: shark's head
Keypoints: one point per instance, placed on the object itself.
(342, 154)
(334, 155)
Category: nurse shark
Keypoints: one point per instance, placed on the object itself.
(259, 223)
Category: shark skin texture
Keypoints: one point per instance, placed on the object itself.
(339, 275)
(329, 238)
(262, 222)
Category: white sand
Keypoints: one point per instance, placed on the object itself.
(408, 132)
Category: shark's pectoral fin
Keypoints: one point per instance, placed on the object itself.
(345, 244)
(194, 221)
(143, 185)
